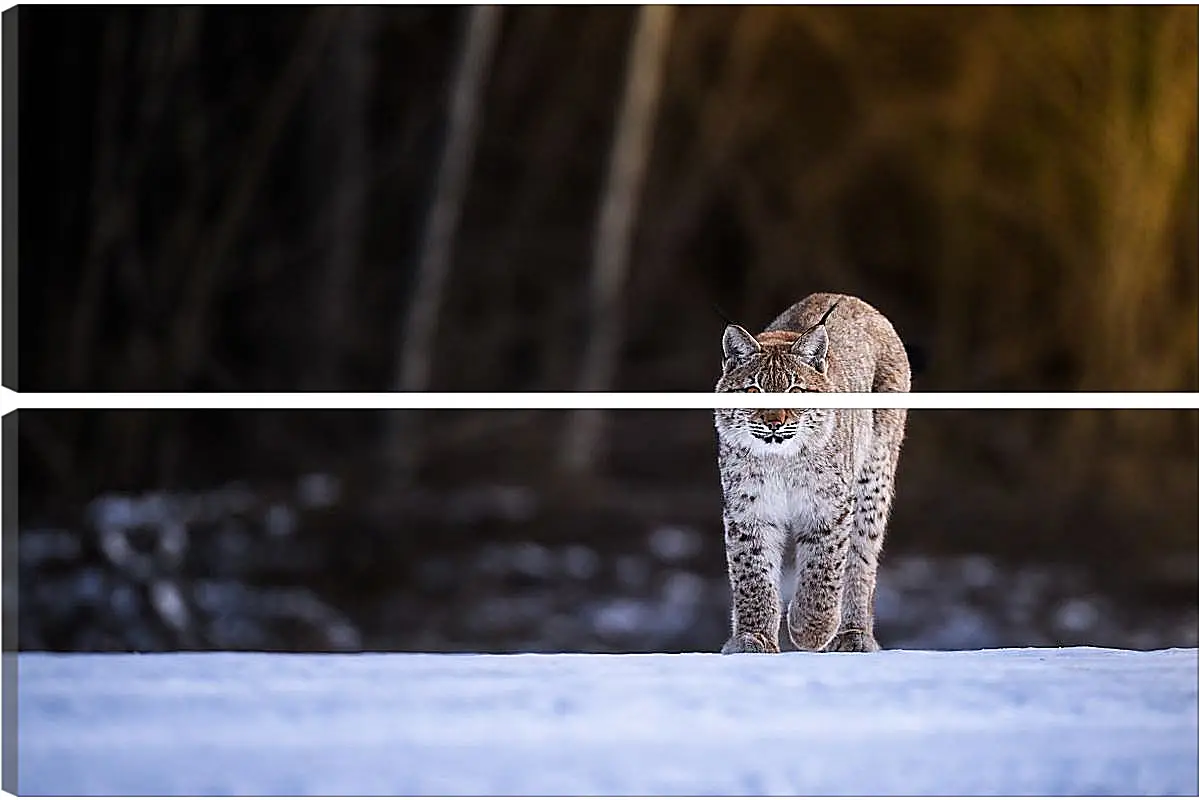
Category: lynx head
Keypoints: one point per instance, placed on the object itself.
(775, 362)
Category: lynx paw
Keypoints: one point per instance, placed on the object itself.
(811, 630)
(749, 643)
(853, 642)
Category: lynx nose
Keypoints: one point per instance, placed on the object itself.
(773, 419)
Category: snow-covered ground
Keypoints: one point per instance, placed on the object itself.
(1039, 721)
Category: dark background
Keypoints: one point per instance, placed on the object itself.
(235, 199)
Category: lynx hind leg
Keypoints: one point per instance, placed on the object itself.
(874, 492)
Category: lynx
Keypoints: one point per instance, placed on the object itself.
(820, 481)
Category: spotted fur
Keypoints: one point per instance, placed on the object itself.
(820, 481)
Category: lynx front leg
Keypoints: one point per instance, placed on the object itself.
(754, 555)
(815, 611)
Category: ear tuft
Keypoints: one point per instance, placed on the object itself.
(739, 343)
(812, 347)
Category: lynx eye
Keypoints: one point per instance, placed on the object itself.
(752, 389)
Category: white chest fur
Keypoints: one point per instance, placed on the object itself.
(784, 495)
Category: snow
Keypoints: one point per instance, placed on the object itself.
(997, 722)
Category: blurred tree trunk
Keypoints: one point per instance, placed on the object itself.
(965, 106)
(418, 334)
(722, 120)
(1145, 133)
(626, 171)
(341, 161)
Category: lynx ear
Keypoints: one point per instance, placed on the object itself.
(739, 344)
(812, 347)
